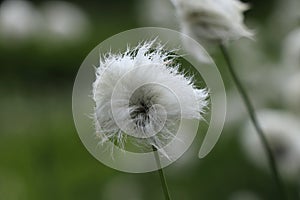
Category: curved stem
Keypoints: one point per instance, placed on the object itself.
(254, 120)
(161, 175)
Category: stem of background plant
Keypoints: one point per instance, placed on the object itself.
(161, 175)
(254, 120)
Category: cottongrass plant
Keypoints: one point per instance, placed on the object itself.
(218, 22)
(282, 132)
(212, 20)
(153, 109)
(19, 20)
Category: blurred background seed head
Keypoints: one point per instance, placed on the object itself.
(42, 44)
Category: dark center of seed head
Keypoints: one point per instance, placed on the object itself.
(142, 109)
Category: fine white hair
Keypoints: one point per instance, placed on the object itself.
(153, 109)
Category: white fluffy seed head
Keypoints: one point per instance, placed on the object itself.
(19, 19)
(212, 20)
(136, 94)
(282, 133)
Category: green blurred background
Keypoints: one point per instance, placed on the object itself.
(41, 155)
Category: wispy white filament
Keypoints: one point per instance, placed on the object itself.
(154, 111)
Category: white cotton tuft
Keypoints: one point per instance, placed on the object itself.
(282, 133)
(138, 91)
(64, 21)
(213, 20)
(19, 19)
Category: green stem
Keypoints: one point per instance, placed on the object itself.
(161, 175)
(254, 120)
